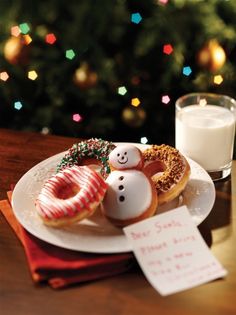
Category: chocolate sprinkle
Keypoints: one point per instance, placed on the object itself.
(174, 161)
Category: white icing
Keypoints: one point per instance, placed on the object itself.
(128, 195)
(125, 156)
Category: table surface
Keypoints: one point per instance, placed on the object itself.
(129, 293)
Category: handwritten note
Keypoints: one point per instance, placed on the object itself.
(172, 253)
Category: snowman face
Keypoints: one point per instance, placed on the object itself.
(125, 157)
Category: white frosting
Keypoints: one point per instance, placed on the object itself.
(128, 195)
(125, 156)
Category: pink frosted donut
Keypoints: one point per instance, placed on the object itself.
(70, 195)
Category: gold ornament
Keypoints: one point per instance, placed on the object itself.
(212, 56)
(134, 116)
(84, 77)
(15, 50)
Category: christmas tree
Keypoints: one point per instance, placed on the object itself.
(111, 69)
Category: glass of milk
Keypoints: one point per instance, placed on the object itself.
(205, 130)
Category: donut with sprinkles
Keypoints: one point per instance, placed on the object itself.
(91, 151)
(168, 169)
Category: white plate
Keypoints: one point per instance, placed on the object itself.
(96, 234)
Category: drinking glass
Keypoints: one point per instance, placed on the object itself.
(205, 131)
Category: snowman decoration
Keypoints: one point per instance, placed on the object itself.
(131, 195)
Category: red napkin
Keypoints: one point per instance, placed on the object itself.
(61, 267)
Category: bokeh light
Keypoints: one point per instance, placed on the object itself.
(18, 105)
(144, 140)
(70, 54)
(218, 79)
(4, 76)
(122, 90)
(50, 38)
(45, 131)
(32, 75)
(135, 102)
(167, 49)
(27, 39)
(76, 117)
(24, 28)
(165, 99)
(15, 31)
(136, 18)
(163, 2)
(187, 70)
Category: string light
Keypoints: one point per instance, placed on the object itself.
(18, 105)
(167, 49)
(136, 18)
(50, 39)
(32, 75)
(76, 117)
(165, 99)
(218, 79)
(122, 90)
(70, 54)
(187, 70)
(15, 31)
(144, 140)
(27, 39)
(135, 102)
(24, 28)
(4, 76)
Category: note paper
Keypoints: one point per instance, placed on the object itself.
(172, 253)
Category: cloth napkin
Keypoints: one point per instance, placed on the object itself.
(62, 267)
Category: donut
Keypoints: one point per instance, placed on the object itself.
(168, 169)
(131, 195)
(70, 195)
(89, 152)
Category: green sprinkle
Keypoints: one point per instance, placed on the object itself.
(92, 148)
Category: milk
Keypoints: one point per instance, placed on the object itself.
(206, 135)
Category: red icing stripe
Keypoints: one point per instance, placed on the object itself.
(90, 185)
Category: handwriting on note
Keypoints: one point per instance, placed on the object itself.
(172, 253)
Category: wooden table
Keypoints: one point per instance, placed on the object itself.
(129, 293)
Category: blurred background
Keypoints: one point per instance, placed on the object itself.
(111, 69)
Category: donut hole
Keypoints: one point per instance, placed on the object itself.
(89, 161)
(92, 163)
(155, 168)
(67, 191)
